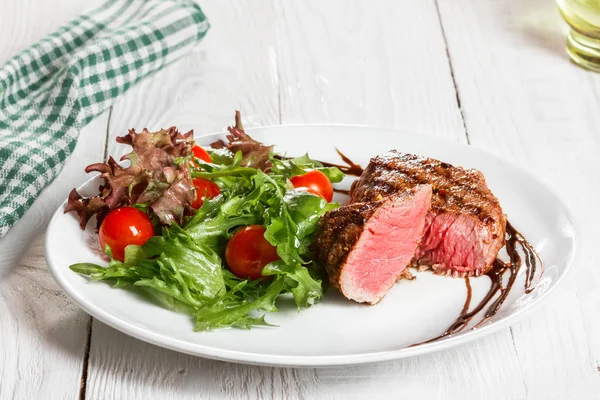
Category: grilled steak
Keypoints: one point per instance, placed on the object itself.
(465, 228)
(367, 246)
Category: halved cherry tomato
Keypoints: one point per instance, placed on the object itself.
(204, 189)
(248, 251)
(122, 227)
(315, 181)
(200, 153)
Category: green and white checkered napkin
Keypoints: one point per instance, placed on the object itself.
(52, 89)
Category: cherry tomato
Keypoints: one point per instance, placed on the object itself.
(204, 189)
(316, 181)
(200, 153)
(122, 227)
(248, 251)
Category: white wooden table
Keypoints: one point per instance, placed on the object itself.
(491, 73)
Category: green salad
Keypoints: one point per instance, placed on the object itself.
(219, 235)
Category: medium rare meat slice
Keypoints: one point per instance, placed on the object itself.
(465, 227)
(367, 246)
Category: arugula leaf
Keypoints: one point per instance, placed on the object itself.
(291, 221)
(305, 289)
(215, 221)
(281, 229)
(305, 210)
(221, 156)
(226, 172)
(230, 311)
(289, 167)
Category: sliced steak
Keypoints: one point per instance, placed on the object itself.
(465, 228)
(365, 247)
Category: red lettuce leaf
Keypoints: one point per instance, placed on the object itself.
(85, 207)
(152, 178)
(254, 153)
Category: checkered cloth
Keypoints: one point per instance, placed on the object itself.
(52, 89)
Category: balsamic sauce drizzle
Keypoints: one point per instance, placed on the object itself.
(469, 295)
(496, 274)
(342, 191)
(350, 169)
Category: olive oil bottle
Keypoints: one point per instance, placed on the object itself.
(583, 42)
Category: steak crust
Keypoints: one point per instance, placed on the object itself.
(366, 247)
(458, 194)
(339, 231)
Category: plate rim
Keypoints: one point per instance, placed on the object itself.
(220, 354)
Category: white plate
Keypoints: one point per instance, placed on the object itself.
(338, 331)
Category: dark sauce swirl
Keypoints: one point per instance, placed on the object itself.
(342, 191)
(349, 169)
(490, 302)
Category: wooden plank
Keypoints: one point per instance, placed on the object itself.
(378, 63)
(26, 21)
(522, 98)
(123, 367)
(42, 334)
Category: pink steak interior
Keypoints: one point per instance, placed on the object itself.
(386, 246)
